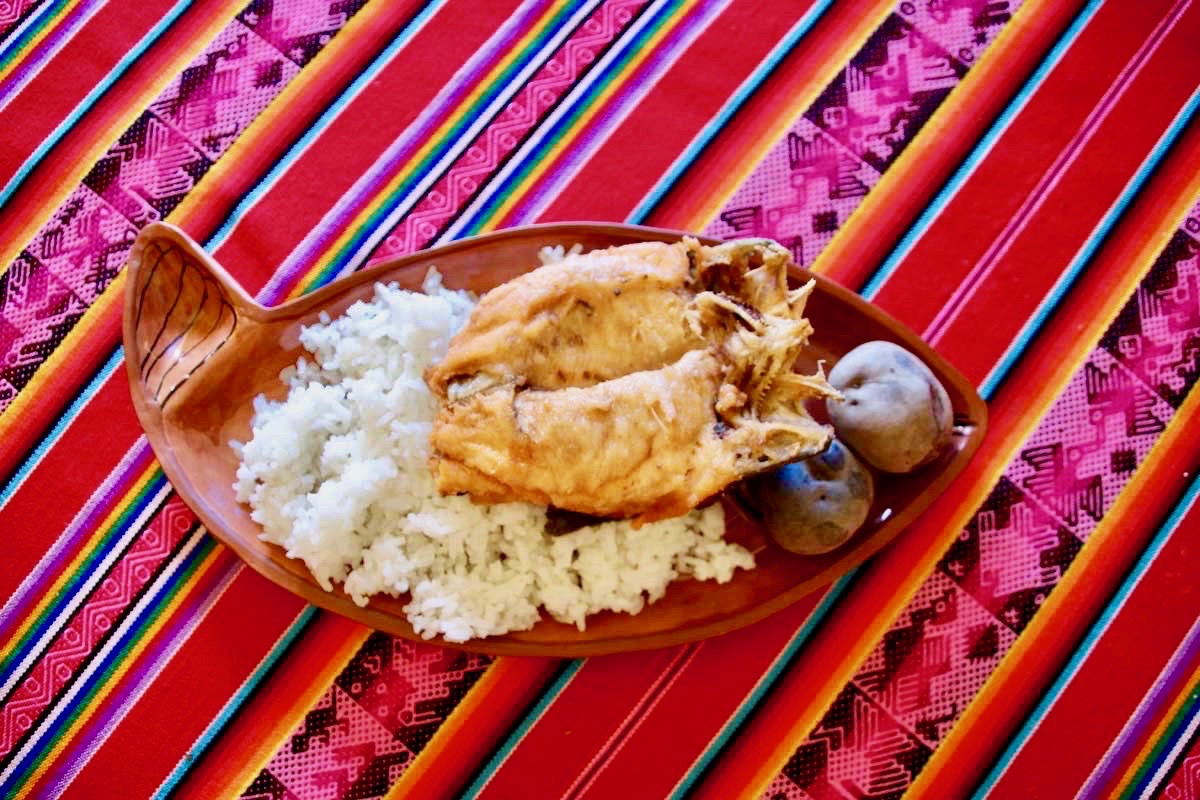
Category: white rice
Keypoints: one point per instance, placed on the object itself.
(337, 474)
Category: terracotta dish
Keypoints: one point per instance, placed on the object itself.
(199, 349)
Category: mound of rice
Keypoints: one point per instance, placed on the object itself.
(337, 475)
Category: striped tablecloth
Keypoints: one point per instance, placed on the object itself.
(1017, 181)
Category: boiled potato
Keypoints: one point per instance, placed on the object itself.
(814, 505)
(895, 413)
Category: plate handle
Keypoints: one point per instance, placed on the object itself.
(181, 308)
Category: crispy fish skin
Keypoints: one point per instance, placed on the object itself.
(672, 453)
(656, 439)
(577, 322)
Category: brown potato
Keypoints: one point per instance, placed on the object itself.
(896, 414)
(814, 505)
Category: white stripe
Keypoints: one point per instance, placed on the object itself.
(151, 674)
(48, 56)
(615, 116)
(55, 552)
(480, 122)
(1171, 758)
(82, 593)
(564, 105)
(114, 639)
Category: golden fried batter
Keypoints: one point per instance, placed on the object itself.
(637, 381)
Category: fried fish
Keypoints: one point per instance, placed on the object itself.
(637, 381)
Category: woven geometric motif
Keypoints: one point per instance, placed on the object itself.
(381, 711)
(811, 181)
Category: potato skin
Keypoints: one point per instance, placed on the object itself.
(896, 414)
(814, 505)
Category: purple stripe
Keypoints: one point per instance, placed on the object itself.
(66, 547)
(1149, 712)
(148, 664)
(368, 188)
(45, 49)
(633, 90)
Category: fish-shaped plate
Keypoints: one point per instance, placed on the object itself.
(199, 350)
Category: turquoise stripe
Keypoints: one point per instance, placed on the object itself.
(64, 422)
(24, 32)
(731, 107)
(92, 98)
(218, 725)
(302, 144)
(1097, 237)
(1035, 719)
(764, 684)
(981, 150)
(528, 722)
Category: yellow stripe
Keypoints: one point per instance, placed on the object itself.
(1182, 698)
(39, 37)
(893, 183)
(272, 739)
(790, 114)
(493, 679)
(592, 111)
(1074, 355)
(68, 736)
(72, 178)
(56, 588)
(229, 163)
(1042, 626)
(437, 136)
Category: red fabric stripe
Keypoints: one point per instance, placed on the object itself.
(1124, 665)
(653, 719)
(88, 56)
(683, 100)
(657, 755)
(190, 690)
(612, 689)
(360, 134)
(976, 336)
(70, 473)
(1008, 412)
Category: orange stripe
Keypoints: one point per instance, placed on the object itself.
(698, 208)
(1046, 641)
(892, 582)
(458, 747)
(944, 141)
